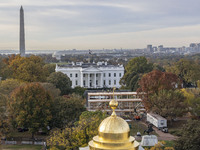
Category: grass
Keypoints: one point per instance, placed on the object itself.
(20, 147)
(137, 126)
(169, 143)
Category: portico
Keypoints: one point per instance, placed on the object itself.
(91, 78)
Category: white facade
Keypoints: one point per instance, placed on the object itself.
(93, 75)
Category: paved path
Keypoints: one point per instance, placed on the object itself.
(163, 136)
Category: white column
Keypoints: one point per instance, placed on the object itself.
(88, 80)
(94, 80)
(101, 80)
(81, 79)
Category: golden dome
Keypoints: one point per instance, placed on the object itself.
(114, 134)
(114, 125)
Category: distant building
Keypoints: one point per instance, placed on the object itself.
(149, 48)
(93, 75)
(160, 48)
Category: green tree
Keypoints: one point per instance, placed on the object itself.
(61, 81)
(189, 138)
(79, 135)
(88, 125)
(66, 110)
(187, 70)
(55, 92)
(49, 68)
(29, 106)
(134, 70)
(168, 103)
(193, 101)
(79, 90)
(8, 85)
(4, 125)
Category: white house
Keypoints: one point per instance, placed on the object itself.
(92, 75)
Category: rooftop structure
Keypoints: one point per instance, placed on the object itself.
(92, 75)
(128, 102)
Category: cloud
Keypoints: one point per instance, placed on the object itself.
(47, 21)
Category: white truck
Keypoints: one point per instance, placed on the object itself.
(158, 121)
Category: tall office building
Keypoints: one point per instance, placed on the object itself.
(22, 33)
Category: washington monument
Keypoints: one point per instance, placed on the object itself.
(22, 33)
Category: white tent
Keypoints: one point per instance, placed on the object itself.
(149, 140)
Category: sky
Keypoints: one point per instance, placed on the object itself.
(98, 24)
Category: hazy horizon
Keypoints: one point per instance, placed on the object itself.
(94, 24)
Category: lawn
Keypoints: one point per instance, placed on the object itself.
(169, 143)
(20, 147)
(137, 126)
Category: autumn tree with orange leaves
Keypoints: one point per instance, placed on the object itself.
(153, 83)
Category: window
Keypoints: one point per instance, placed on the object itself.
(83, 75)
(83, 82)
(76, 75)
(120, 74)
(76, 82)
(109, 82)
(162, 122)
(96, 82)
(104, 82)
(109, 74)
(90, 75)
(96, 75)
(70, 74)
(114, 74)
(114, 82)
(104, 75)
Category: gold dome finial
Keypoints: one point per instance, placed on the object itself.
(113, 103)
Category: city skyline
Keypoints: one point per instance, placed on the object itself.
(86, 24)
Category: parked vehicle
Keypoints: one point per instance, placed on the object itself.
(158, 121)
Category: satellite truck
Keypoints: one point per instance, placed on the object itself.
(158, 121)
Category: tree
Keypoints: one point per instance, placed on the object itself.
(73, 137)
(29, 107)
(168, 103)
(28, 69)
(155, 81)
(135, 68)
(61, 81)
(189, 138)
(55, 92)
(8, 85)
(49, 68)
(187, 70)
(88, 125)
(193, 101)
(79, 90)
(4, 126)
(66, 110)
